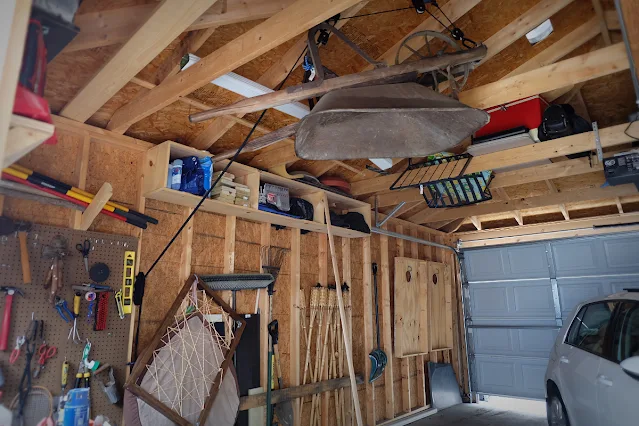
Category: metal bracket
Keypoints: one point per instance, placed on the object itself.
(595, 129)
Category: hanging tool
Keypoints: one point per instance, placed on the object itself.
(73, 332)
(64, 380)
(56, 251)
(90, 297)
(45, 352)
(9, 226)
(118, 303)
(101, 312)
(99, 272)
(127, 282)
(84, 249)
(377, 356)
(63, 309)
(15, 353)
(6, 316)
(25, 381)
(283, 410)
(83, 376)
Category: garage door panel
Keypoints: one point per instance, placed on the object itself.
(513, 300)
(573, 291)
(526, 261)
(510, 376)
(529, 342)
(622, 254)
(619, 284)
(576, 258)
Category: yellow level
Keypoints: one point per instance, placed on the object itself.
(127, 282)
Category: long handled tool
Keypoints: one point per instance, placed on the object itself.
(342, 315)
(6, 316)
(377, 356)
(9, 226)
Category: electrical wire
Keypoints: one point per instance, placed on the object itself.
(628, 128)
(377, 13)
(204, 198)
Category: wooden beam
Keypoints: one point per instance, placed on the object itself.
(271, 78)
(98, 29)
(95, 207)
(189, 44)
(609, 136)
(294, 325)
(367, 284)
(295, 392)
(14, 21)
(404, 362)
(419, 360)
(279, 28)
(345, 397)
(596, 4)
(475, 220)
(575, 70)
(386, 326)
(551, 230)
(559, 49)
(81, 169)
(524, 203)
(553, 190)
(454, 9)
(518, 217)
(630, 12)
(265, 241)
(454, 225)
(167, 21)
(612, 20)
(229, 252)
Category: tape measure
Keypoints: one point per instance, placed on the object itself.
(127, 282)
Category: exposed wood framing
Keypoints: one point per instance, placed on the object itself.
(559, 49)
(596, 4)
(476, 221)
(404, 362)
(346, 397)
(167, 21)
(524, 203)
(265, 241)
(109, 27)
(279, 28)
(551, 230)
(229, 253)
(575, 70)
(419, 359)
(294, 324)
(271, 79)
(386, 325)
(553, 190)
(14, 20)
(81, 168)
(367, 284)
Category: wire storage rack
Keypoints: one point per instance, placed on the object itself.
(443, 183)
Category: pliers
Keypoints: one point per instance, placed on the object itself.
(63, 309)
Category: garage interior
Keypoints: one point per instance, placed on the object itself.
(503, 238)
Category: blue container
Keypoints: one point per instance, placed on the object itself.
(76, 408)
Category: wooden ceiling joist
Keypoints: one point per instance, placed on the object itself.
(575, 70)
(297, 18)
(434, 215)
(167, 21)
(271, 79)
(98, 29)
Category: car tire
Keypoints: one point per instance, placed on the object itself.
(556, 410)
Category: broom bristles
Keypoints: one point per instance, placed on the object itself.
(237, 281)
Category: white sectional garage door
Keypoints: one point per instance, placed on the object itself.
(517, 297)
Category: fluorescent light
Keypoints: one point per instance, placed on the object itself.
(249, 89)
(540, 33)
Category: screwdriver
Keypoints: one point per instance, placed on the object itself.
(65, 375)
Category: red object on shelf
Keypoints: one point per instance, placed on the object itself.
(28, 104)
(526, 112)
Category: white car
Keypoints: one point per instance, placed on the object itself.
(593, 372)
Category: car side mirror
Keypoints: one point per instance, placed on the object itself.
(631, 367)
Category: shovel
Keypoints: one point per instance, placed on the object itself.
(377, 356)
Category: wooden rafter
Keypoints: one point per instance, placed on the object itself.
(279, 28)
(553, 190)
(98, 29)
(575, 70)
(432, 215)
(167, 21)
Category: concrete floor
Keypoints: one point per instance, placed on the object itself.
(486, 414)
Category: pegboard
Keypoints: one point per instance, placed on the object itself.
(108, 346)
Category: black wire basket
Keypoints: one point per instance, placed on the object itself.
(442, 182)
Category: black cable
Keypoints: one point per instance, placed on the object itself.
(628, 128)
(141, 278)
(377, 13)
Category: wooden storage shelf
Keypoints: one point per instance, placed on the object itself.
(156, 176)
(25, 135)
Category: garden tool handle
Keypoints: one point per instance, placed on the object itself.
(6, 322)
(24, 257)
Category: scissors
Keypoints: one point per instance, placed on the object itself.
(15, 353)
(45, 353)
(84, 248)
